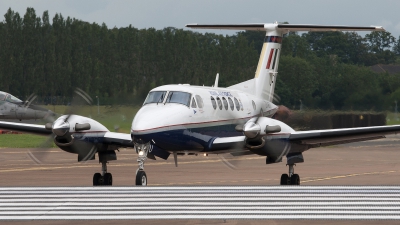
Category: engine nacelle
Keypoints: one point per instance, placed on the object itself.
(80, 135)
(270, 138)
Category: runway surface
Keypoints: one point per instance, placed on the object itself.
(222, 203)
(372, 163)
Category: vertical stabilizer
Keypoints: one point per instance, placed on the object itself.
(263, 84)
(267, 68)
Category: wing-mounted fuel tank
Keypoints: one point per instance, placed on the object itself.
(268, 137)
(79, 135)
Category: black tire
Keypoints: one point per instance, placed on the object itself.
(284, 179)
(295, 179)
(107, 179)
(97, 179)
(141, 178)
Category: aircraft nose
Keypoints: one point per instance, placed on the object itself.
(153, 117)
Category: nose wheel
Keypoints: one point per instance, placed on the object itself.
(141, 178)
(291, 178)
(104, 178)
(142, 150)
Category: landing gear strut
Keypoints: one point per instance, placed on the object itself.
(142, 150)
(104, 178)
(291, 178)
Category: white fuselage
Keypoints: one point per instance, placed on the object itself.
(193, 126)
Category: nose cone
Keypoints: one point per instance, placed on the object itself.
(153, 118)
(251, 130)
(60, 127)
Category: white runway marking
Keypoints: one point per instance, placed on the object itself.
(220, 202)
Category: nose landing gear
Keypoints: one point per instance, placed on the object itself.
(142, 150)
(291, 178)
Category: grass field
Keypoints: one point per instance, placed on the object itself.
(23, 141)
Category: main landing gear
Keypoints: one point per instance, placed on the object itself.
(291, 178)
(104, 178)
(142, 150)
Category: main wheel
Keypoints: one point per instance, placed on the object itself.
(97, 179)
(284, 179)
(141, 178)
(295, 179)
(107, 179)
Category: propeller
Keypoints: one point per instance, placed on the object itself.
(61, 127)
(248, 129)
(254, 133)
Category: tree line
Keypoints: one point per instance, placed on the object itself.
(326, 70)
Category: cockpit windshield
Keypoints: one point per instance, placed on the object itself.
(155, 97)
(12, 99)
(179, 97)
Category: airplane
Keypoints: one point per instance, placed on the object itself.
(186, 119)
(13, 108)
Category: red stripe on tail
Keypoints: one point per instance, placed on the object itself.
(270, 58)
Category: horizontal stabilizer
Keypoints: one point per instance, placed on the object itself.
(254, 26)
(283, 27)
(310, 27)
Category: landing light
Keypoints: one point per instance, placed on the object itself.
(205, 154)
(141, 153)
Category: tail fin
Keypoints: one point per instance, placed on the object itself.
(263, 84)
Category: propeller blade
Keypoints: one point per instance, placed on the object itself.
(39, 154)
(61, 128)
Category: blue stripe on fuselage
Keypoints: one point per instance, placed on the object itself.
(190, 139)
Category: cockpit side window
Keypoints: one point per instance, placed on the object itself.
(194, 103)
(199, 101)
(2, 96)
(12, 99)
(179, 97)
(155, 97)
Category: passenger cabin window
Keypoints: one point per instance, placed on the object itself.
(194, 103)
(155, 97)
(237, 104)
(12, 99)
(179, 97)
(219, 103)
(199, 101)
(214, 104)
(231, 103)
(225, 103)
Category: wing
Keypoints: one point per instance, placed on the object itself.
(118, 139)
(233, 145)
(25, 128)
(318, 138)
